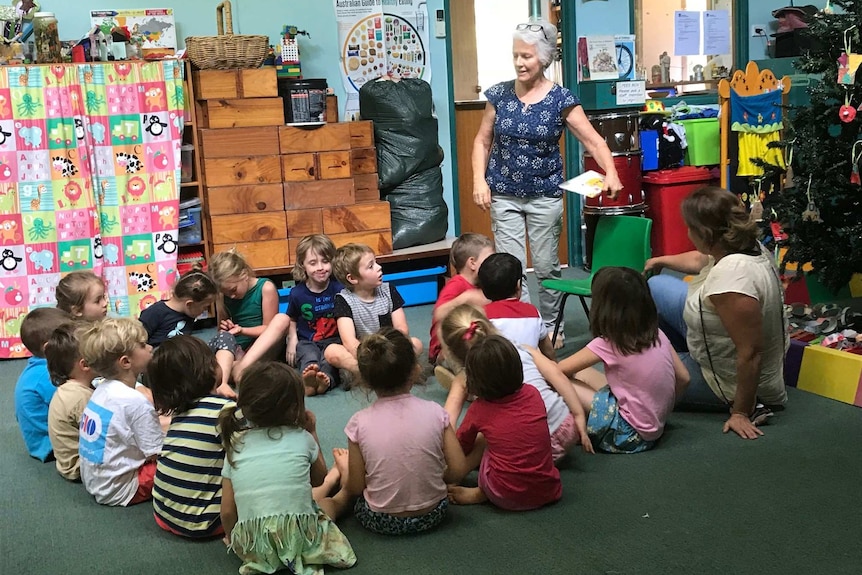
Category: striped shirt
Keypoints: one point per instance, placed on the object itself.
(187, 489)
(369, 316)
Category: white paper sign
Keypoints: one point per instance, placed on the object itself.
(686, 33)
(716, 32)
(629, 93)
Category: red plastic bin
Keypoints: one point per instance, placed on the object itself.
(665, 190)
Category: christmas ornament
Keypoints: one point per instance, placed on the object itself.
(848, 62)
(847, 113)
(788, 175)
(756, 205)
(855, 156)
(812, 212)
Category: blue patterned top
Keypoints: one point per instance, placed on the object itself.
(525, 155)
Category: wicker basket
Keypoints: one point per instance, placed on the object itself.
(227, 51)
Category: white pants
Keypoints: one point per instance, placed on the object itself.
(513, 221)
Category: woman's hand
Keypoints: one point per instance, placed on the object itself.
(742, 426)
(482, 196)
(613, 185)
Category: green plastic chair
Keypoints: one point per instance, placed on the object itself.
(621, 241)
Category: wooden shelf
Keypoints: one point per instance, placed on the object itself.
(192, 184)
(194, 245)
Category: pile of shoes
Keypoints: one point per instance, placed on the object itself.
(826, 324)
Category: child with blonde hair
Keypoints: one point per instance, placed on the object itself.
(270, 515)
(311, 308)
(34, 390)
(71, 374)
(402, 449)
(505, 432)
(467, 325)
(193, 293)
(365, 305)
(82, 294)
(629, 403)
(120, 435)
(247, 307)
(183, 375)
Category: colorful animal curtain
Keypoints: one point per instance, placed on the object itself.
(89, 172)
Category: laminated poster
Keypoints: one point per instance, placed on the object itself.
(382, 37)
(155, 25)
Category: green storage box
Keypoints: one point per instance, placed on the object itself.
(704, 144)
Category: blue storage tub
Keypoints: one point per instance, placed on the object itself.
(649, 145)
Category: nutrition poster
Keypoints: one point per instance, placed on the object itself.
(380, 37)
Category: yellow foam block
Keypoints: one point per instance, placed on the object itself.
(830, 373)
(792, 266)
(856, 285)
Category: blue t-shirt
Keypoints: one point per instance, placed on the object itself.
(314, 313)
(33, 394)
(525, 156)
(161, 323)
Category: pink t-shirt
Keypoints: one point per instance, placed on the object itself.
(453, 288)
(644, 383)
(401, 439)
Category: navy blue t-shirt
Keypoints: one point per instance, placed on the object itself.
(161, 323)
(314, 313)
(525, 156)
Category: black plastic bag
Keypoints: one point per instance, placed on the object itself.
(405, 131)
(419, 214)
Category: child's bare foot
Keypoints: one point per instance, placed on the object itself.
(322, 382)
(340, 455)
(309, 377)
(225, 390)
(466, 495)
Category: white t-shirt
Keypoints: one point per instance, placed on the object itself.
(119, 431)
(754, 276)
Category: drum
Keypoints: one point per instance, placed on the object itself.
(631, 196)
(620, 131)
(591, 220)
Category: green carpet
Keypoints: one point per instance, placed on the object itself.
(701, 502)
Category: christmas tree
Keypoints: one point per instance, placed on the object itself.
(821, 210)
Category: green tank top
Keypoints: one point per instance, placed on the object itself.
(248, 311)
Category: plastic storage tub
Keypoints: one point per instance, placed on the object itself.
(187, 161)
(665, 190)
(649, 145)
(417, 287)
(190, 229)
(704, 144)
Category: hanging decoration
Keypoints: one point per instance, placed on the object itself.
(812, 212)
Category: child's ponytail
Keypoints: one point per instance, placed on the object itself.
(230, 423)
(462, 328)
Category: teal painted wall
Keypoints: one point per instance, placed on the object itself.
(320, 53)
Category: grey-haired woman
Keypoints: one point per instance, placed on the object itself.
(517, 165)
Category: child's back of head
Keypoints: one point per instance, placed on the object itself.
(623, 311)
(499, 275)
(62, 352)
(38, 326)
(493, 368)
(346, 262)
(195, 285)
(461, 329)
(318, 244)
(73, 291)
(104, 342)
(387, 361)
(272, 395)
(183, 370)
(228, 264)
(468, 246)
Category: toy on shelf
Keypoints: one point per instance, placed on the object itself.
(287, 63)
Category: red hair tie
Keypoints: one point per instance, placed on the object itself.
(471, 331)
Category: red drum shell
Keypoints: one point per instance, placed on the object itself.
(631, 196)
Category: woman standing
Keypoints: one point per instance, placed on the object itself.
(728, 322)
(517, 165)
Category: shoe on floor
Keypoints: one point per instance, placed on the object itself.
(444, 377)
(761, 415)
(345, 376)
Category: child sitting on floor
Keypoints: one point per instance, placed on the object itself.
(120, 434)
(71, 374)
(629, 403)
(364, 306)
(311, 308)
(465, 326)
(402, 450)
(247, 307)
(467, 254)
(501, 277)
(272, 518)
(183, 375)
(192, 294)
(505, 433)
(34, 391)
(82, 294)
